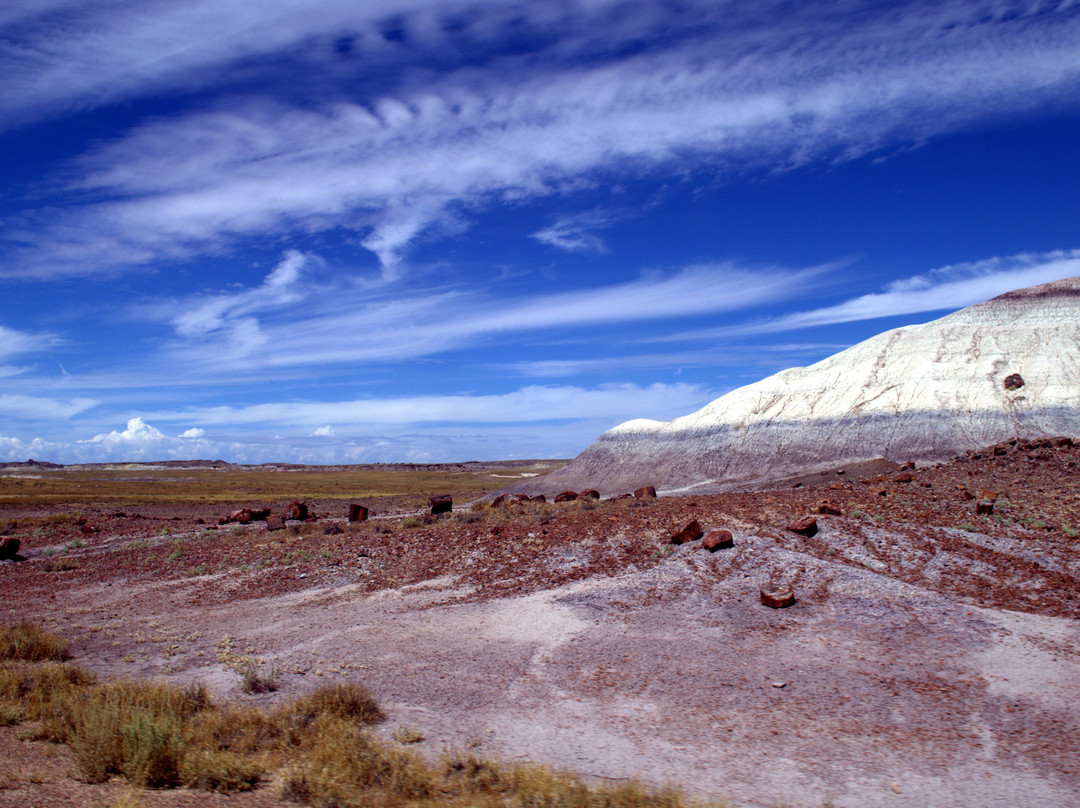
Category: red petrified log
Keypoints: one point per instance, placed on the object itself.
(718, 540)
(358, 513)
(441, 503)
(776, 597)
(807, 526)
(691, 532)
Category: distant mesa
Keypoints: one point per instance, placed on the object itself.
(1009, 367)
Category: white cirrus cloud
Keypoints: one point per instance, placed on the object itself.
(755, 86)
(39, 407)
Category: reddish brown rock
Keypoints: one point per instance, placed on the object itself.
(358, 513)
(296, 511)
(566, 496)
(777, 597)
(645, 492)
(1061, 441)
(441, 503)
(625, 496)
(242, 516)
(589, 493)
(903, 478)
(827, 508)
(718, 540)
(275, 523)
(88, 529)
(260, 515)
(1014, 381)
(807, 526)
(908, 466)
(521, 497)
(539, 498)
(984, 507)
(691, 532)
(499, 500)
(9, 547)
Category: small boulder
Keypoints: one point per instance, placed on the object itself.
(566, 496)
(539, 498)
(9, 547)
(499, 500)
(589, 493)
(718, 540)
(88, 529)
(777, 597)
(1061, 441)
(692, 532)
(903, 478)
(296, 511)
(807, 526)
(645, 492)
(441, 503)
(521, 497)
(275, 523)
(908, 466)
(984, 507)
(826, 508)
(1014, 381)
(241, 516)
(358, 513)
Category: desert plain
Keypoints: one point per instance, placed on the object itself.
(931, 657)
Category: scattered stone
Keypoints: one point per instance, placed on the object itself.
(333, 530)
(903, 478)
(692, 532)
(827, 509)
(260, 516)
(984, 508)
(776, 597)
(566, 496)
(1014, 381)
(296, 511)
(242, 516)
(1060, 442)
(521, 497)
(441, 503)
(539, 498)
(645, 492)
(718, 540)
(625, 496)
(88, 529)
(589, 493)
(908, 466)
(9, 547)
(499, 500)
(807, 526)
(275, 523)
(779, 685)
(357, 513)
(988, 496)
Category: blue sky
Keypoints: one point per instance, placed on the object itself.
(430, 230)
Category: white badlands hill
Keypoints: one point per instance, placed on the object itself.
(923, 392)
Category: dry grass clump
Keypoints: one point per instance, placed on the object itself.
(27, 643)
(159, 735)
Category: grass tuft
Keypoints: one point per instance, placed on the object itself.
(26, 642)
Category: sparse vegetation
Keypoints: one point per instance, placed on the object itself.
(25, 642)
(160, 736)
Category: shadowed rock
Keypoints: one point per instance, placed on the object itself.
(358, 513)
(566, 496)
(441, 503)
(275, 523)
(589, 493)
(718, 540)
(9, 548)
(777, 597)
(296, 511)
(645, 492)
(807, 526)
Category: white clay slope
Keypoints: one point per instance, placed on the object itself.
(923, 392)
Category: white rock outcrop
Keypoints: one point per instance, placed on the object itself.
(922, 392)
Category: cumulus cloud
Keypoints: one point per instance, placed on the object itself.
(759, 83)
(323, 432)
(192, 433)
(137, 432)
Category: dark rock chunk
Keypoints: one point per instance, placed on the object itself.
(441, 503)
(539, 498)
(807, 526)
(589, 493)
(691, 532)
(566, 496)
(718, 540)
(9, 547)
(903, 478)
(260, 515)
(499, 500)
(826, 508)
(908, 466)
(358, 513)
(777, 597)
(296, 511)
(984, 507)
(1059, 442)
(521, 497)
(645, 492)
(1014, 381)
(275, 523)
(88, 529)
